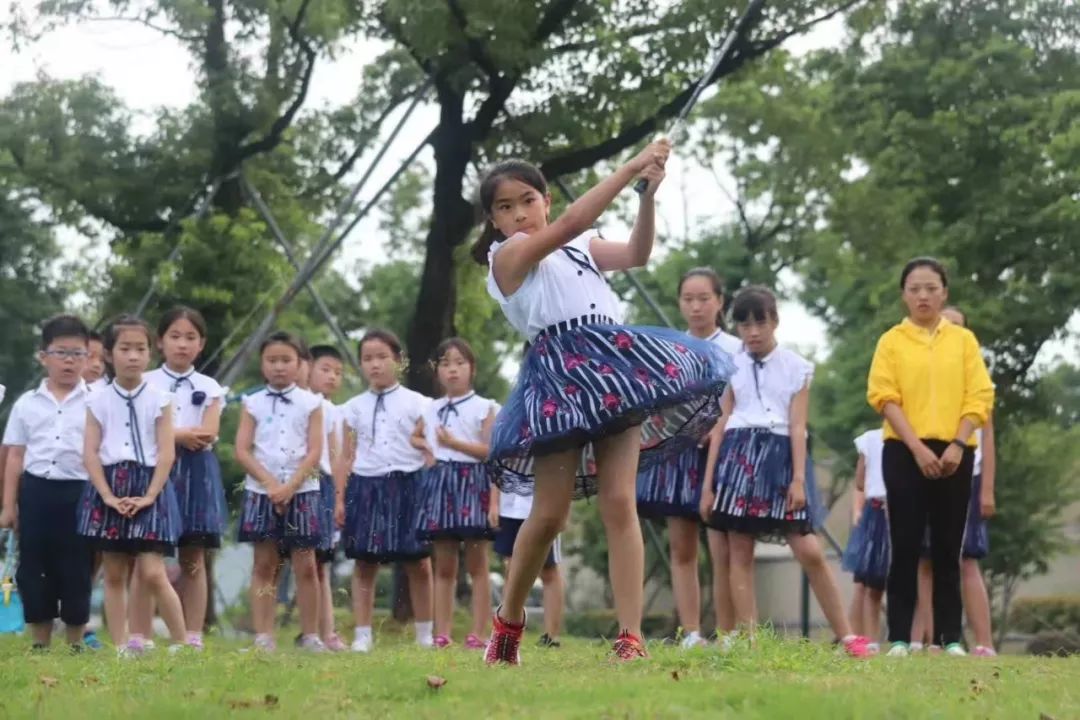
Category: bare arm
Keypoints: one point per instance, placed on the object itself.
(860, 489)
(800, 410)
(92, 459)
(521, 254)
(635, 253)
(163, 431)
(344, 462)
(245, 440)
(211, 422)
(14, 455)
(310, 461)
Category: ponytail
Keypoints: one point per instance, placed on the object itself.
(488, 237)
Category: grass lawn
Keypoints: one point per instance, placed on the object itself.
(780, 679)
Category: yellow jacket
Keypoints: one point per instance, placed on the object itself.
(937, 378)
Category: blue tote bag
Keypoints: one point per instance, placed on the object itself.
(11, 609)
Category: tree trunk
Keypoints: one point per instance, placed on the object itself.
(401, 604)
(452, 219)
(211, 607)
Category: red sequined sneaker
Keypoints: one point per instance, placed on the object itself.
(628, 647)
(505, 643)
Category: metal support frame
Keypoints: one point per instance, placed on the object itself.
(286, 246)
(326, 246)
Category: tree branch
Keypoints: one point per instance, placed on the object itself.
(776, 41)
(500, 85)
(145, 21)
(582, 158)
(98, 210)
(281, 124)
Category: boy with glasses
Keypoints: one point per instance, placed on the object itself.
(44, 479)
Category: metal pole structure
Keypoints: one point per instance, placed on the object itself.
(232, 368)
(804, 604)
(200, 212)
(286, 246)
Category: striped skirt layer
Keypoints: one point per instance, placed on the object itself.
(381, 518)
(155, 529)
(299, 527)
(753, 475)
(582, 382)
(196, 476)
(672, 488)
(326, 515)
(455, 497)
(868, 550)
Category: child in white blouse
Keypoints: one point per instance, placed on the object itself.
(278, 442)
(130, 508)
(760, 475)
(377, 487)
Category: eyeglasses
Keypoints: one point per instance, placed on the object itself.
(67, 354)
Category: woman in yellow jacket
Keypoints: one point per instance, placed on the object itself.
(930, 383)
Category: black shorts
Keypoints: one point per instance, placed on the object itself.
(507, 534)
(55, 562)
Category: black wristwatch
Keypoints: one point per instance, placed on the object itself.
(959, 443)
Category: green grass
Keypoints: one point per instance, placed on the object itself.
(780, 679)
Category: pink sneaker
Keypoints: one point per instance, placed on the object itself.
(265, 643)
(628, 647)
(472, 642)
(136, 645)
(983, 651)
(858, 646)
(194, 641)
(442, 641)
(334, 643)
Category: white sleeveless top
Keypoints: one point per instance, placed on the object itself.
(764, 389)
(565, 285)
(463, 417)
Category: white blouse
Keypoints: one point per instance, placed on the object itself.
(282, 420)
(764, 389)
(192, 392)
(871, 445)
(565, 285)
(51, 431)
(384, 423)
(128, 423)
(463, 417)
(728, 343)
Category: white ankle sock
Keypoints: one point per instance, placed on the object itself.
(363, 633)
(424, 632)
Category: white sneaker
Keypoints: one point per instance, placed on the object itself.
(726, 642)
(176, 648)
(899, 649)
(956, 650)
(917, 647)
(693, 640)
(312, 643)
(362, 645)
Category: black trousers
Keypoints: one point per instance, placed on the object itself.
(915, 502)
(55, 562)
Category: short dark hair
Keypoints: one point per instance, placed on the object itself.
(63, 326)
(519, 170)
(924, 262)
(384, 336)
(126, 322)
(95, 336)
(459, 344)
(755, 302)
(181, 312)
(280, 337)
(321, 351)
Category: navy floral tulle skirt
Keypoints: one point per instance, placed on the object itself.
(155, 529)
(868, 550)
(381, 518)
(454, 501)
(589, 378)
(299, 527)
(752, 478)
(196, 476)
(672, 488)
